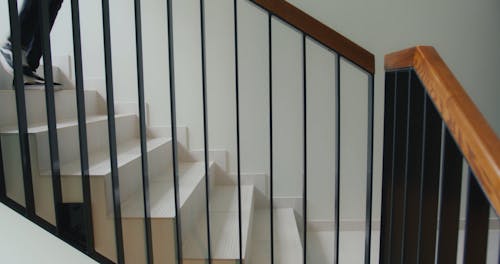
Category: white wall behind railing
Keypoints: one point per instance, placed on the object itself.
(464, 32)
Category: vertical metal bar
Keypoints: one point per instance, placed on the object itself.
(271, 146)
(51, 112)
(387, 169)
(237, 84)
(449, 214)
(399, 181)
(143, 133)
(22, 121)
(2, 175)
(429, 192)
(407, 151)
(82, 128)
(476, 227)
(413, 169)
(337, 158)
(173, 120)
(205, 128)
(304, 79)
(112, 132)
(369, 173)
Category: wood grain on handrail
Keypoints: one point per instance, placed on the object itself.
(320, 32)
(477, 140)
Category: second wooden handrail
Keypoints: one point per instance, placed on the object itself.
(320, 32)
(478, 142)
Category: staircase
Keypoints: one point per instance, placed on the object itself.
(223, 198)
(99, 177)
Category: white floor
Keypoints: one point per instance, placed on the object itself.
(22, 242)
(321, 247)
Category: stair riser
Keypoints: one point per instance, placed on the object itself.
(194, 207)
(131, 173)
(36, 109)
(163, 230)
(160, 160)
(97, 139)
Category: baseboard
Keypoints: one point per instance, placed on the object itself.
(219, 156)
(293, 202)
(97, 84)
(359, 225)
(166, 131)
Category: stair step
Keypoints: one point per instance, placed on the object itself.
(99, 164)
(43, 128)
(65, 101)
(224, 226)
(161, 190)
(68, 137)
(287, 243)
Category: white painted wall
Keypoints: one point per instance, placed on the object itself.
(464, 32)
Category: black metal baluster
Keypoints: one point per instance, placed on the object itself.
(337, 157)
(449, 214)
(237, 84)
(3, 191)
(387, 169)
(369, 174)
(413, 169)
(51, 112)
(205, 128)
(173, 121)
(143, 133)
(112, 132)
(271, 162)
(22, 122)
(404, 181)
(304, 79)
(82, 127)
(399, 181)
(429, 192)
(476, 227)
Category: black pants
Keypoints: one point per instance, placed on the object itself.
(31, 40)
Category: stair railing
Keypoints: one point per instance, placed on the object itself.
(431, 125)
(309, 28)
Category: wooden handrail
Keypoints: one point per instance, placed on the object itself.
(477, 140)
(320, 32)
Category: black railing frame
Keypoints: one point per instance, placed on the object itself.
(439, 187)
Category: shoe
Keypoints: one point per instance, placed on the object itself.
(31, 78)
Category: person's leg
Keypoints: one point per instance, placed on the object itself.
(35, 51)
(29, 22)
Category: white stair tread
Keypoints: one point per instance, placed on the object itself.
(99, 164)
(161, 192)
(287, 243)
(224, 228)
(40, 128)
